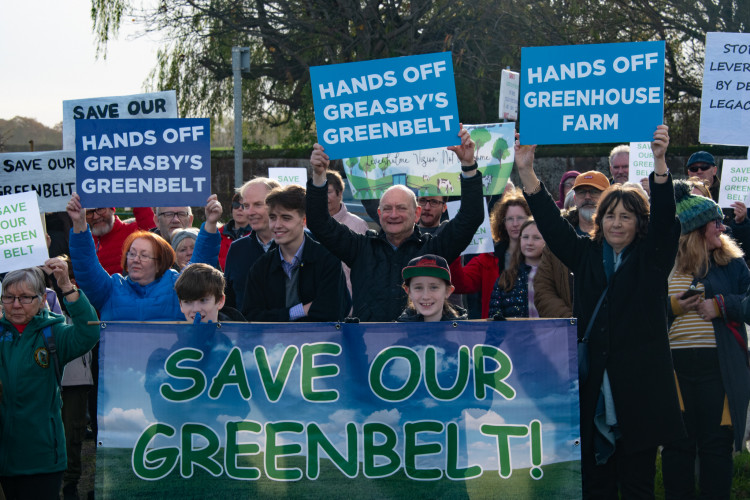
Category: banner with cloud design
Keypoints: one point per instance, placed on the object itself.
(391, 409)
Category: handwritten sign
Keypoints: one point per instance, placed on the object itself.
(51, 174)
(735, 182)
(386, 105)
(286, 176)
(509, 92)
(148, 162)
(482, 241)
(580, 94)
(725, 106)
(435, 172)
(641, 161)
(22, 239)
(151, 105)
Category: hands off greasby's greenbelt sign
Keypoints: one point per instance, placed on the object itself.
(385, 105)
(435, 171)
(472, 409)
(580, 94)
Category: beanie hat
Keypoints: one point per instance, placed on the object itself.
(592, 178)
(701, 157)
(694, 211)
(427, 265)
(181, 234)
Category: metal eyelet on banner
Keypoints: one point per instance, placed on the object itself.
(572, 321)
(218, 325)
(455, 325)
(102, 325)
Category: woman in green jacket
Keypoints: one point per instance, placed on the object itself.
(32, 440)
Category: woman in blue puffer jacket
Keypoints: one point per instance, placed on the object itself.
(145, 294)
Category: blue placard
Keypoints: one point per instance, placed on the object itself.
(581, 94)
(385, 106)
(143, 162)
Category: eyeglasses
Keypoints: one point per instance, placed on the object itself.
(171, 215)
(719, 224)
(583, 192)
(97, 211)
(141, 257)
(23, 299)
(433, 203)
(515, 220)
(702, 167)
(236, 205)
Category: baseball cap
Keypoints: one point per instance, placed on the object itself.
(427, 265)
(592, 178)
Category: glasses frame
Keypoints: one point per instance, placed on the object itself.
(9, 300)
(433, 203)
(96, 211)
(694, 168)
(171, 215)
(134, 256)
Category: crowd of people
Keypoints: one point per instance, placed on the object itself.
(653, 271)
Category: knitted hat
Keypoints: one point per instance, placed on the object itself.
(592, 178)
(427, 265)
(694, 211)
(701, 157)
(181, 234)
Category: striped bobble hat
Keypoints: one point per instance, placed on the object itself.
(694, 211)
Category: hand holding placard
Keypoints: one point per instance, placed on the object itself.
(77, 213)
(213, 213)
(319, 161)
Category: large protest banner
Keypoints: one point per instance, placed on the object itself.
(141, 163)
(725, 105)
(385, 105)
(324, 410)
(51, 174)
(151, 105)
(580, 94)
(436, 171)
(22, 240)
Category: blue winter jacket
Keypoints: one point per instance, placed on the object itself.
(116, 297)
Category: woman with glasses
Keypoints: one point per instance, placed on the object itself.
(236, 228)
(32, 440)
(482, 272)
(709, 350)
(145, 293)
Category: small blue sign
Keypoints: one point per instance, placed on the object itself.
(143, 162)
(386, 105)
(582, 94)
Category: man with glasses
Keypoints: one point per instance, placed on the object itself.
(109, 233)
(433, 208)
(553, 283)
(167, 219)
(703, 165)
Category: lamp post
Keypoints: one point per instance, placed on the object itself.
(240, 63)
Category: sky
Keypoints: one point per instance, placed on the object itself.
(48, 54)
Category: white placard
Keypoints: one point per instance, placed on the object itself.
(725, 106)
(735, 182)
(509, 92)
(641, 161)
(150, 105)
(288, 175)
(482, 241)
(22, 241)
(52, 174)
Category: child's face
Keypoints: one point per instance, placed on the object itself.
(428, 295)
(531, 242)
(207, 307)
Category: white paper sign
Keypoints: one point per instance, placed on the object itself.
(482, 242)
(286, 176)
(22, 241)
(641, 161)
(52, 174)
(735, 182)
(151, 105)
(725, 106)
(509, 92)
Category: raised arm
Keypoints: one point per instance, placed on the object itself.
(208, 242)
